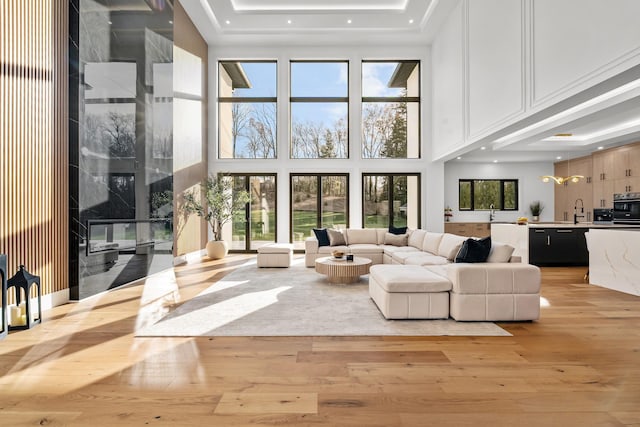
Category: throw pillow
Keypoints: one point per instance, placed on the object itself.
(500, 252)
(336, 237)
(322, 236)
(397, 230)
(395, 239)
(473, 250)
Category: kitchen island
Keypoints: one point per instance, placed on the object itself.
(614, 260)
(553, 243)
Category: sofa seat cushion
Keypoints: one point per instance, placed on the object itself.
(328, 250)
(365, 248)
(390, 250)
(494, 278)
(408, 278)
(425, 258)
(276, 248)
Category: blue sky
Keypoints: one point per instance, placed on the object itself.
(325, 79)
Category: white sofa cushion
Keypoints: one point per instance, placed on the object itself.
(365, 235)
(425, 259)
(431, 242)
(365, 248)
(381, 232)
(416, 237)
(494, 278)
(401, 278)
(450, 245)
(500, 252)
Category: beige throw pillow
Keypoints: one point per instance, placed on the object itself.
(395, 239)
(336, 238)
(500, 252)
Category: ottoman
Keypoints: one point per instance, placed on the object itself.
(275, 255)
(409, 292)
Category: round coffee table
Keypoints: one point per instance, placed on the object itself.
(342, 271)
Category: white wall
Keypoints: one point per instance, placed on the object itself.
(530, 188)
(283, 166)
(499, 62)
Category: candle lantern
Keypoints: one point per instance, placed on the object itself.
(3, 279)
(22, 315)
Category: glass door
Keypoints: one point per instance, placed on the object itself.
(255, 225)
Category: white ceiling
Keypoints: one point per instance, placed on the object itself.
(612, 120)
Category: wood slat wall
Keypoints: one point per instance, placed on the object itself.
(34, 139)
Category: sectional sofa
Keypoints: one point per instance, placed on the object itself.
(414, 276)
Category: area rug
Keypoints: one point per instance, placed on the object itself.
(295, 301)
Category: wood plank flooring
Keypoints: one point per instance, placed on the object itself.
(578, 365)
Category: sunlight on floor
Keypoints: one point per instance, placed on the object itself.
(544, 302)
(224, 312)
(159, 294)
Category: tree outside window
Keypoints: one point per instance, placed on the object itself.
(390, 109)
(479, 194)
(247, 109)
(319, 109)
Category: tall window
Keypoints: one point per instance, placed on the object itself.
(318, 200)
(485, 194)
(319, 109)
(247, 109)
(391, 109)
(391, 200)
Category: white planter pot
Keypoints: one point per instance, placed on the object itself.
(217, 249)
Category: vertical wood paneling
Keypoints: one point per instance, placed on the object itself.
(34, 139)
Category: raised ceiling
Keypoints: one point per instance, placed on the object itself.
(402, 23)
(409, 22)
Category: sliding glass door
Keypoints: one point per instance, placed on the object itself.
(255, 225)
(391, 200)
(318, 200)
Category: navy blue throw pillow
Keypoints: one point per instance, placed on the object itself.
(322, 236)
(397, 230)
(473, 250)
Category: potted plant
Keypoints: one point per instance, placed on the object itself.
(217, 204)
(536, 207)
(448, 213)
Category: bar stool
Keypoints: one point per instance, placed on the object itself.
(23, 281)
(3, 279)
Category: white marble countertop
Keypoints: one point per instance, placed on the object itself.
(570, 224)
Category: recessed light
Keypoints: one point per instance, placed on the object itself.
(483, 148)
(495, 161)
(459, 158)
(171, 22)
(348, 21)
(600, 148)
(288, 21)
(410, 21)
(110, 22)
(558, 157)
(227, 22)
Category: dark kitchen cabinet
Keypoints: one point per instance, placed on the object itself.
(558, 246)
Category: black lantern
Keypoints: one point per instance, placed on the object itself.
(22, 316)
(3, 280)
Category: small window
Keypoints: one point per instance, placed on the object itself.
(485, 194)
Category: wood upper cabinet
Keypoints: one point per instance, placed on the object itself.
(627, 169)
(603, 165)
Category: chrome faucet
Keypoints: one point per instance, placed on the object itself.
(575, 211)
(492, 213)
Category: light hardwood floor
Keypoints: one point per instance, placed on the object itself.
(578, 365)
